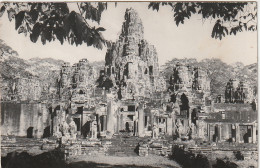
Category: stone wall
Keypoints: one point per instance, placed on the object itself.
(158, 147)
(24, 119)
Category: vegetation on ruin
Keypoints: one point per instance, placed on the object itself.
(51, 21)
(218, 71)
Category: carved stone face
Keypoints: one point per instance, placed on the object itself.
(178, 123)
(94, 118)
(69, 119)
(164, 107)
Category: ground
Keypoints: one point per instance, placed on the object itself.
(115, 161)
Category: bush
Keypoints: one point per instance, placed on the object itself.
(239, 155)
(202, 161)
(188, 159)
(52, 159)
(222, 164)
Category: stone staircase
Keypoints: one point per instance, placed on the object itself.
(122, 145)
(19, 144)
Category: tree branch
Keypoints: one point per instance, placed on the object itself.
(82, 15)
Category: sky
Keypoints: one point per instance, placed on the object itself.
(189, 40)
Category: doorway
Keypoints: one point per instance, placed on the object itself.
(184, 107)
(77, 122)
(30, 132)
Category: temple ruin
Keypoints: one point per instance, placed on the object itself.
(129, 97)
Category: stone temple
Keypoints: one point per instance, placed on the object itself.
(129, 97)
(132, 63)
(132, 70)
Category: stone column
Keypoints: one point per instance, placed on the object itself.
(254, 127)
(141, 120)
(225, 131)
(91, 129)
(209, 132)
(250, 139)
(173, 124)
(98, 123)
(94, 130)
(169, 126)
(118, 123)
(104, 123)
(110, 116)
(80, 124)
(189, 111)
(237, 133)
(219, 133)
(122, 126)
(135, 128)
(148, 121)
(38, 122)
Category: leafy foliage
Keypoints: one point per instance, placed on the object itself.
(47, 70)
(91, 12)
(219, 30)
(50, 21)
(6, 50)
(2, 10)
(230, 18)
(182, 11)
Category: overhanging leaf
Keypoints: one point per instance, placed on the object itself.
(93, 13)
(11, 13)
(34, 14)
(19, 19)
(154, 5)
(101, 29)
(21, 30)
(2, 10)
(60, 34)
(37, 28)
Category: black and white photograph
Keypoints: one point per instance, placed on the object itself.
(102, 84)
